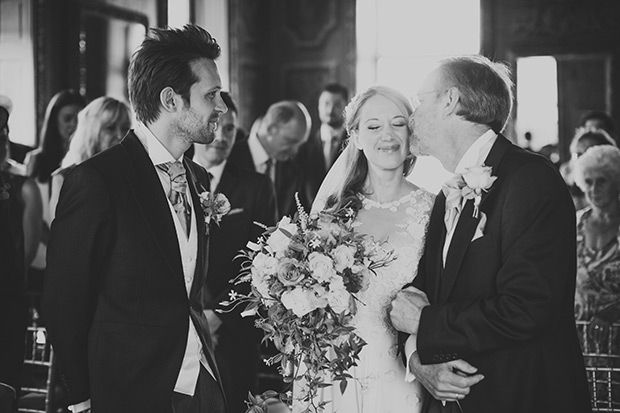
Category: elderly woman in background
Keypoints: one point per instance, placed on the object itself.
(584, 138)
(101, 124)
(597, 298)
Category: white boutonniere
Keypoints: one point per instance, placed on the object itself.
(477, 179)
(214, 207)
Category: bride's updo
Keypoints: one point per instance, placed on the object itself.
(356, 164)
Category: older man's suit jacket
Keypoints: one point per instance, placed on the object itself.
(115, 301)
(504, 302)
(237, 352)
(290, 179)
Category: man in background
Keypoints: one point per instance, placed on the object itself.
(324, 146)
(252, 200)
(271, 147)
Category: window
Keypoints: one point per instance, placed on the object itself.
(17, 68)
(400, 41)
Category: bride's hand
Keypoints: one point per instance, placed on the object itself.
(406, 309)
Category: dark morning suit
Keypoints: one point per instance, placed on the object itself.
(289, 179)
(115, 300)
(237, 352)
(312, 161)
(504, 302)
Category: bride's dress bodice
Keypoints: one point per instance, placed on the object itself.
(402, 225)
(379, 384)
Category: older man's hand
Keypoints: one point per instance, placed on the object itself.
(450, 381)
(406, 309)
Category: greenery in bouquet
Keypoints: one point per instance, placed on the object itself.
(304, 275)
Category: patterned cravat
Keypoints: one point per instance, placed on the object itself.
(452, 190)
(177, 194)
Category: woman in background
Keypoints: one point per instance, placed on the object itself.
(597, 294)
(58, 125)
(101, 124)
(583, 139)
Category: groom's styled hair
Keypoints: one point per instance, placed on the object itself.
(164, 59)
(485, 89)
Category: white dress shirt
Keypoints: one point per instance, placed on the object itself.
(260, 155)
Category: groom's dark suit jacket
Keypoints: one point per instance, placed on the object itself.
(115, 300)
(504, 302)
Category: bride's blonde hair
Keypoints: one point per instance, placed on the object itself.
(356, 169)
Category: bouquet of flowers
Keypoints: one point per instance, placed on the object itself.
(304, 275)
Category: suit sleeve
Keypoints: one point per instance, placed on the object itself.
(534, 283)
(79, 241)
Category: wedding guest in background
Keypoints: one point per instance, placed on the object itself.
(25, 208)
(326, 143)
(597, 297)
(101, 124)
(583, 139)
(59, 124)
(13, 316)
(271, 147)
(128, 253)
(252, 200)
(598, 119)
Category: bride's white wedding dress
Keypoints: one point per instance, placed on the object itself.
(379, 384)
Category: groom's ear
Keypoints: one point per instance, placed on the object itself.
(451, 101)
(168, 99)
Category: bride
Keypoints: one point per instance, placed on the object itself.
(370, 177)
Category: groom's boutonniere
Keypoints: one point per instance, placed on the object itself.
(214, 206)
(477, 179)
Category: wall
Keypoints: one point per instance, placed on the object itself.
(282, 49)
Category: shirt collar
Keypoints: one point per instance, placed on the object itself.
(259, 154)
(327, 132)
(157, 152)
(217, 172)
(477, 152)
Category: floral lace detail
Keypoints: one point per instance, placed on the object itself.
(392, 206)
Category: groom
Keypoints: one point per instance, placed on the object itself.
(127, 260)
(497, 333)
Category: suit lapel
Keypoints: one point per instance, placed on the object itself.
(466, 226)
(434, 247)
(152, 201)
(195, 188)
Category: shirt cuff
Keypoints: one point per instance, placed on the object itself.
(80, 407)
(410, 348)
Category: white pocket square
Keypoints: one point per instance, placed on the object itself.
(479, 233)
(235, 211)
